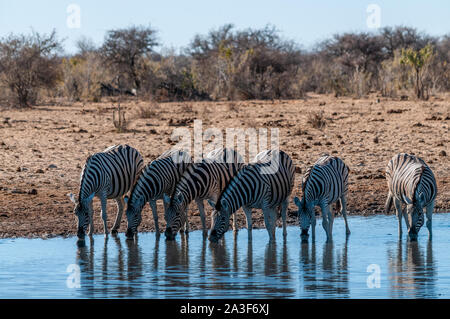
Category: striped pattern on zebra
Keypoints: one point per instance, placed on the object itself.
(323, 183)
(411, 182)
(255, 188)
(200, 181)
(157, 179)
(108, 175)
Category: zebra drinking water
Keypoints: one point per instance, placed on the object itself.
(108, 175)
(158, 178)
(323, 184)
(411, 182)
(254, 188)
(200, 181)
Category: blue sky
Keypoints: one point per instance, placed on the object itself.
(177, 21)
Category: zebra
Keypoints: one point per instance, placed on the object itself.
(411, 182)
(108, 175)
(323, 183)
(200, 181)
(157, 179)
(253, 187)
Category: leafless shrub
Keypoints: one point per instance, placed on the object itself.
(316, 120)
(29, 64)
(147, 111)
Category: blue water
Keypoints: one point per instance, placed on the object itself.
(236, 268)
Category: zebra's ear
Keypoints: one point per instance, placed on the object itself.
(166, 198)
(125, 199)
(297, 202)
(72, 198)
(211, 203)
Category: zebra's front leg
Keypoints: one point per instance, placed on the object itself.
(120, 204)
(201, 208)
(91, 219)
(270, 218)
(429, 212)
(399, 211)
(103, 200)
(325, 224)
(234, 224)
(248, 217)
(284, 207)
(186, 222)
(330, 220)
(154, 208)
(344, 213)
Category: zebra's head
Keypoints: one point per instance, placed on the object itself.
(414, 212)
(220, 220)
(82, 212)
(305, 217)
(134, 216)
(175, 214)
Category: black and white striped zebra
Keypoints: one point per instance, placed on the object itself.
(107, 175)
(323, 184)
(411, 182)
(255, 187)
(200, 181)
(157, 179)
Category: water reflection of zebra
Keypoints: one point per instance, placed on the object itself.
(204, 180)
(157, 179)
(323, 184)
(255, 188)
(108, 175)
(411, 182)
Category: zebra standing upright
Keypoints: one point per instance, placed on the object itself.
(257, 185)
(200, 181)
(108, 175)
(411, 182)
(157, 179)
(323, 184)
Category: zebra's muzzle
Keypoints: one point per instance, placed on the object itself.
(169, 234)
(304, 235)
(80, 233)
(412, 234)
(213, 236)
(130, 233)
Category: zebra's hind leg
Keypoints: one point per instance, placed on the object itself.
(398, 208)
(103, 200)
(284, 207)
(429, 210)
(120, 204)
(330, 220)
(154, 208)
(343, 201)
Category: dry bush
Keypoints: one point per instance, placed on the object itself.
(147, 111)
(316, 120)
(120, 121)
(28, 64)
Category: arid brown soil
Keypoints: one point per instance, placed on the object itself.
(43, 149)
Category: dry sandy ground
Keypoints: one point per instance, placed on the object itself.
(43, 149)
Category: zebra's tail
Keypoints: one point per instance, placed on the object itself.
(388, 205)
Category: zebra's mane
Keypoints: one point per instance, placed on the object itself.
(418, 172)
(242, 171)
(83, 175)
(324, 160)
